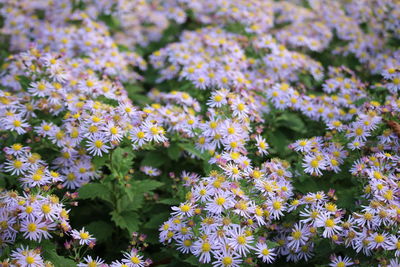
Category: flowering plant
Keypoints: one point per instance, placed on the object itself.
(198, 133)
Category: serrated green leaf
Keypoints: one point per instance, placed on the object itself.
(309, 185)
(192, 260)
(100, 229)
(174, 152)
(279, 142)
(157, 219)
(144, 186)
(128, 220)
(134, 195)
(194, 151)
(99, 161)
(122, 160)
(57, 260)
(346, 197)
(169, 201)
(292, 121)
(271, 244)
(154, 159)
(24, 82)
(49, 253)
(2, 182)
(95, 190)
(131, 201)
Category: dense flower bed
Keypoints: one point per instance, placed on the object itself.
(197, 133)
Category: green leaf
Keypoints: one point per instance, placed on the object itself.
(95, 190)
(194, 151)
(49, 253)
(279, 142)
(140, 98)
(2, 182)
(306, 79)
(361, 101)
(100, 229)
(192, 260)
(292, 121)
(57, 260)
(169, 201)
(144, 186)
(207, 167)
(99, 162)
(302, 178)
(133, 88)
(154, 159)
(323, 247)
(346, 197)
(174, 151)
(309, 185)
(128, 220)
(131, 201)
(24, 82)
(157, 219)
(134, 195)
(122, 159)
(271, 244)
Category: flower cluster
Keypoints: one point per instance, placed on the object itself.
(217, 91)
(34, 216)
(232, 214)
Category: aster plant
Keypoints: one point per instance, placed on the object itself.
(197, 133)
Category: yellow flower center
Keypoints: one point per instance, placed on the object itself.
(37, 177)
(29, 209)
(379, 238)
(98, 143)
(46, 208)
(277, 205)
(296, 235)
(32, 227)
(41, 86)
(84, 235)
(17, 123)
(217, 98)
(30, 260)
(368, 216)
(93, 129)
(135, 260)
(359, 131)
(140, 135)
(46, 127)
(314, 163)
(241, 239)
(113, 130)
(265, 252)
(89, 83)
(206, 247)
(220, 201)
(17, 164)
(262, 145)
(154, 130)
(227, 261)
(185, 208)
(329, 223)
(17, 147)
